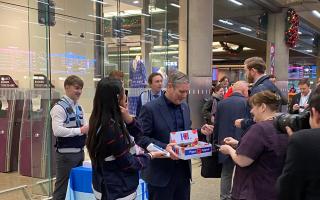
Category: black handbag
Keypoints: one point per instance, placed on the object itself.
(210, 167)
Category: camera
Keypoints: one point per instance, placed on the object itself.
(294, 121)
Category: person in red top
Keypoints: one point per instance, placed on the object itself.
(228, 93)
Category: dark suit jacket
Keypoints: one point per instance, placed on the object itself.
(295, 100)
(262, 84)
(230, 109)
(157, 124)
(300, 179)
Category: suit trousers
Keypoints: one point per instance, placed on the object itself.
(178, 187)
(64, 163)
(226, 179)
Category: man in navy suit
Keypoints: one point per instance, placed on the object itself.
(230, 109)
(301, 100)
(168, 179)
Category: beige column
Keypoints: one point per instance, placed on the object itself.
(276, 36)
(195, 50)
(276, 30)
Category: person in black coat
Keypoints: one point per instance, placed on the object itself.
(300, 179)
(301, 100)
(111, 144)
(255, 68)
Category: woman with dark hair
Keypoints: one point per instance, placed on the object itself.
(260, 154)
(111, 144)
(209, 108)
(224, 81)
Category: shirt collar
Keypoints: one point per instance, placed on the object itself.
(170, 104)
(70, 101)
(262, 75)
(152, 93)
(307, 94)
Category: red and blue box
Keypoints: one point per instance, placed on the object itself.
(188, 145)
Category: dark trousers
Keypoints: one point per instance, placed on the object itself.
(177, 189)
(64, 163)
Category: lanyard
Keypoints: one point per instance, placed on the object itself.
(77, 113)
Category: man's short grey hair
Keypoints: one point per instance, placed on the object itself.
(177, 77)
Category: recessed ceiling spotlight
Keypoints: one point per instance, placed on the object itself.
(175, 5)
(225, 22)
(245, 28)
(316, 13)
(135, 2)
(312, 39)
(236, 2)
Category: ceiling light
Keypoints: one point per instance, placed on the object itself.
(155, 30)
(95, 16)
(175, 5)
(299, 33)
(309, 50)
(144, 14)
(225, 22)
(135, 2)
(236, 2)
(245, 28)
(99, 1)
(312, 39)
(316, 13)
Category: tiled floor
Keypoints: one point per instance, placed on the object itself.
(201, 188)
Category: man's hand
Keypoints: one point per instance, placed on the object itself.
(125, 115)
(84, 129)
(169, 149)
(237, 123)
(157, 154)
(296, 107)
(207, 129)
(289, 131)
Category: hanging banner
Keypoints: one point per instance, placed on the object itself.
(272, 57)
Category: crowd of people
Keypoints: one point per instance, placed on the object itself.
(259, 162)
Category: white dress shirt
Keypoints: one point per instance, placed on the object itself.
(304, 101)
(58, 116)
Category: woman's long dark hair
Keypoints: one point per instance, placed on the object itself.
(106, 111)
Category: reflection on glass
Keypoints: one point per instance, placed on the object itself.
(36, 103)
(4, 103)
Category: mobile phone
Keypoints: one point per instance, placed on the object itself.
(217, 146)
(126, 92)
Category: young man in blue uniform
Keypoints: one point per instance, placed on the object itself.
(69, 127)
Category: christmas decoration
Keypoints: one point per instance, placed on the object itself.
(231, 51)
(292, 28)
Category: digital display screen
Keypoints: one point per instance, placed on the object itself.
(295, 72)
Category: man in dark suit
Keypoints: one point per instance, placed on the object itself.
(168, 179)
(301, 100)
(300, 179)
(230, 109)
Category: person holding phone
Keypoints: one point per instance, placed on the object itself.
(301, 100)
(260, 154)
(111, 144)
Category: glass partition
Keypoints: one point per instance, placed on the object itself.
(44, 41)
